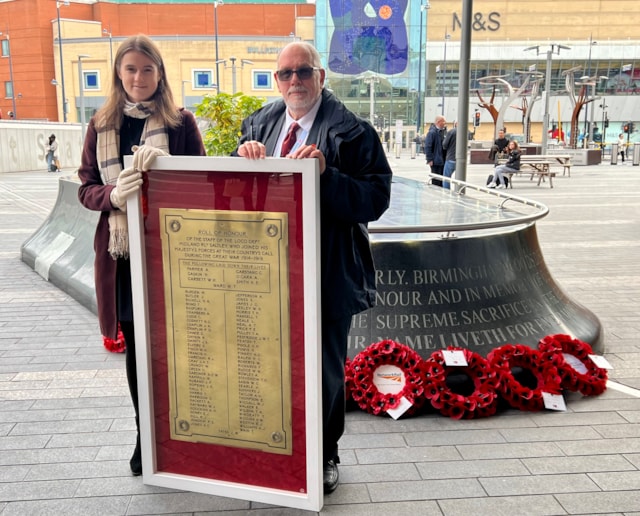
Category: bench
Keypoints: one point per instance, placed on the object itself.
(538, 166)
(563, 160)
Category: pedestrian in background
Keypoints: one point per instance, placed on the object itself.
(355, 186)
(511, 166)
(139, 118)
(53, 163)
(433, 148)
(499, 146)
(621, 146)
(449, 148)
(419, 141)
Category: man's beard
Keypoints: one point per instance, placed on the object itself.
(299, 102)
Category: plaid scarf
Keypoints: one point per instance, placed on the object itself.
(108, 155)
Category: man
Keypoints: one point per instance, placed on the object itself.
(418, 141)
(449, 148)
(433, 147)
(499, 146)
(355, 186)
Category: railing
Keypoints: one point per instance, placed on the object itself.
(462, 192)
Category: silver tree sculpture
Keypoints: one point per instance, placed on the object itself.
(496, 81)
(528, 101)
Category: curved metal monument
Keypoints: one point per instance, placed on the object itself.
(464, 272)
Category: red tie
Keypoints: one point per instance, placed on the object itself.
(290, 139)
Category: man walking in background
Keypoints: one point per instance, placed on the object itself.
(449, 148)
(433, 147)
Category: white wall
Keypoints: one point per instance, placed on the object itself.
(22, 145)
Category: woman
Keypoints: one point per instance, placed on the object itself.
(52, 154)
(511, 166)
(621, 146)
(139, 115)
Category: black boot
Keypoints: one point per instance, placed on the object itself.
(135, 463)
(132, 379)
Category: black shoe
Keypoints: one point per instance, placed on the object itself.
(330, 476)
(136, 460)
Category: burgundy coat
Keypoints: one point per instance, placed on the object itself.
(185, 140)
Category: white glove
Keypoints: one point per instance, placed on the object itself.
(129, 182)
(144, 155)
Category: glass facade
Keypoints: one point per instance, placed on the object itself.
(371, 51)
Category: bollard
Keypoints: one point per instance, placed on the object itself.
(614, 153)
(413, 150)
(636, 154)
(398, 148)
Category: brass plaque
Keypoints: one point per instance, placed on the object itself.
(226, 277)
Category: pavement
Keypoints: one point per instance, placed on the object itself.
(67, 427)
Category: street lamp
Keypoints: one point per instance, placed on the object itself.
(423, 7)
(554, 48)
(233, 69)
(447, 36)
(108, 31)
(604, 107)
(372, 80)
(81, 82)
(65, 107)
(13, 86)
(216, 3)
(55, 83)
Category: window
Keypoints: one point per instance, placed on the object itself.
(202, 79)
(262, 80)
(91, 80)
(8, 89)
(5, 47)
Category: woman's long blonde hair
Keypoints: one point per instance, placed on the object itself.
(111, 113)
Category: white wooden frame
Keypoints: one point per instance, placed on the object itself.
(313, 498)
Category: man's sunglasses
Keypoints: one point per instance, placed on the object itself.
(303, 73)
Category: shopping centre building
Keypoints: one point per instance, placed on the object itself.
(396, 60)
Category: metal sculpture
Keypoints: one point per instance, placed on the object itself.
(513, 94)
(577, 103)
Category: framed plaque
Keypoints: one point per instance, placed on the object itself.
(226, 282)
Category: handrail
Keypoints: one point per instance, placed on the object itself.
(462, 187)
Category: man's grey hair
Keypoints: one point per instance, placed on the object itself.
(310, 49)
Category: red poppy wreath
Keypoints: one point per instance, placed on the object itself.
(379, 377)
(461, 392)
(537, 374)
(578, 372)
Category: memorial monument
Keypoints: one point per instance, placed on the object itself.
(452, 270)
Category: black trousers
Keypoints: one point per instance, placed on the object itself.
(437, 169)
(130, 366)
(334, 356)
